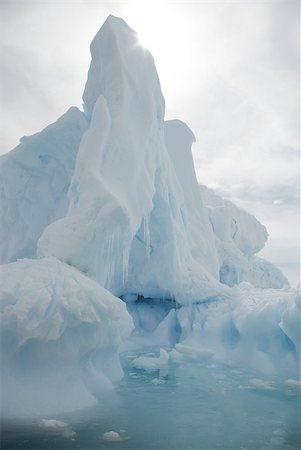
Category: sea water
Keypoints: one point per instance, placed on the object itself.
(201, 405)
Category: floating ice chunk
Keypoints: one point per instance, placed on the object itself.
(52, 424)
(58, 428)
(111, 436)
(262, 384)
(158, 381)
(296, 384)
(151, 364)
(193, 352)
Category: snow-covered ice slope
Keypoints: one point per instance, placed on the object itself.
(60, 335)
(34, 180)
(129, 224)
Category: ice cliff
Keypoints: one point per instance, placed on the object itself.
(107, 204)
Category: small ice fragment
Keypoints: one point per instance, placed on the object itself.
(57, 427)
(193, 351)
(53, 425)
(111, 436)
(157, 381)
(261, 384)
(296, 384)
(150, 363)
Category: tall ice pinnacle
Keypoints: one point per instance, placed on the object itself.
(127, 206)
(117, 57)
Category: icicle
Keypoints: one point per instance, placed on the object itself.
(125, 264)
(146, 235)
(108, 260)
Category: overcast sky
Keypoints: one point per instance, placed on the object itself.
(229, 69)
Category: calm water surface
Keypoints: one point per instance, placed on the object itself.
(199, 405)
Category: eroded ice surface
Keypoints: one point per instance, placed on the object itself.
(60, 333)
(34, 182)
(239, 236)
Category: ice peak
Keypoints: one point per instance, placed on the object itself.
(112, 47)
(114, 28)
(116, 23)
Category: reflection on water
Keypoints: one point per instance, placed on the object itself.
(199, 405)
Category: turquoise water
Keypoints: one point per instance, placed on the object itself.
(200, 405)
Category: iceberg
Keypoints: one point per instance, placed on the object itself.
(105, 230)
(113, 191)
